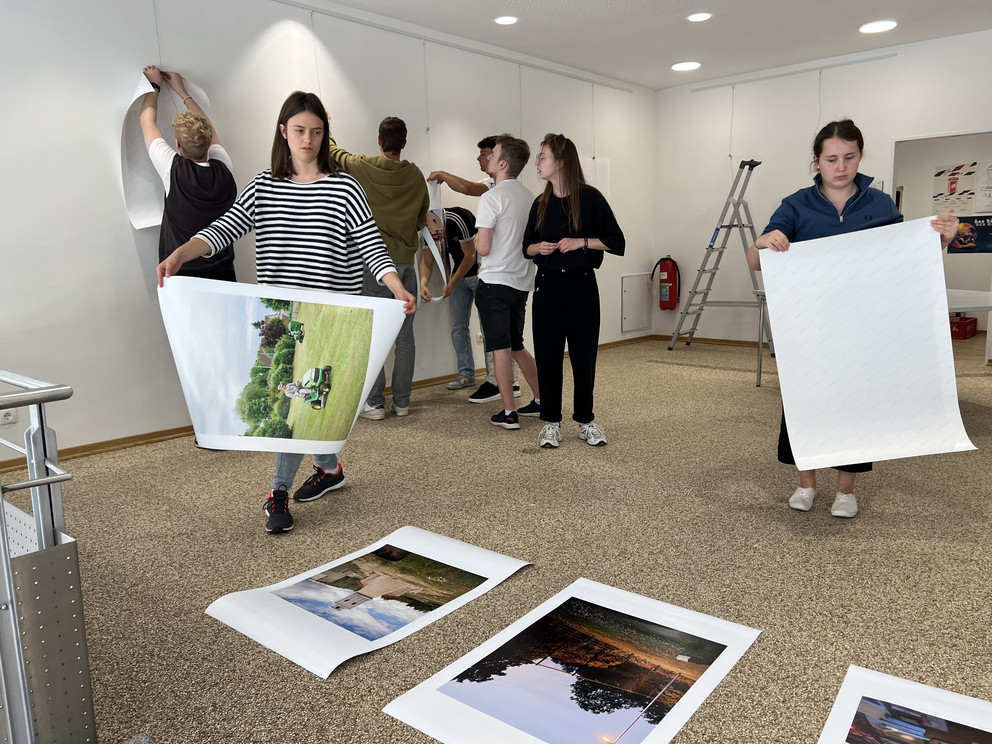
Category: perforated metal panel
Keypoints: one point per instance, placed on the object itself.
(49, 603)
(22, 535)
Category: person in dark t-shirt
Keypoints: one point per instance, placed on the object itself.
(459, 236)
(197, 175)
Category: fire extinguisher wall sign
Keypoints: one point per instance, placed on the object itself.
(669, 286)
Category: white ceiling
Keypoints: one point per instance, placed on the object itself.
(637, 41)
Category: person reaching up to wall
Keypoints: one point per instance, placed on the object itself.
(197, 175)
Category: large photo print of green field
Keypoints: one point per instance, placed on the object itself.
(306, 379)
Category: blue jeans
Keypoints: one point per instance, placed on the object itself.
(404, 354)
(288, 463)
(460, 312)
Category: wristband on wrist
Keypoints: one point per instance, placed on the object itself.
(186, 99)
(156, 86)
(585, 244)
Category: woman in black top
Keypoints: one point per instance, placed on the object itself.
(569, 228)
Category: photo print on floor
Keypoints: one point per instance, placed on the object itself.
(592, 665)
(364, 601)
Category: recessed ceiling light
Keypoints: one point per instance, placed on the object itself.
(699, 17)
(506, 20)
(877, 27)
(686, 66)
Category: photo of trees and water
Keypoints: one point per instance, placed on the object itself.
(586, 674)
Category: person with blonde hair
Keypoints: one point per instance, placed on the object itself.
(197, 175)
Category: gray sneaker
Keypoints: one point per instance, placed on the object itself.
(551, 435)
(373, 413)
(462, 381)
(592, 434)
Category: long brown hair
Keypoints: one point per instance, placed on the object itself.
(563, 150)
(297, 103)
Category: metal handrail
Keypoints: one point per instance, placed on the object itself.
(40, 451)
(34, 482)
(38, 392)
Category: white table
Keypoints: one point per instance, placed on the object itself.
(958, 301)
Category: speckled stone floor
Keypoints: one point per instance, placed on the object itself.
(686, 504)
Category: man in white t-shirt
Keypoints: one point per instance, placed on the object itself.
(197, 175)
(487, 391)
(505, 276)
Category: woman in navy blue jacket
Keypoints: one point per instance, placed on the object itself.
(838, 202)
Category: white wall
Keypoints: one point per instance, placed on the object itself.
(704, 135)
(77, 292)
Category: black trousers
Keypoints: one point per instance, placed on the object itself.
(566, 309)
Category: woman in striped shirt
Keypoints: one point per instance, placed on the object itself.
(313, 230)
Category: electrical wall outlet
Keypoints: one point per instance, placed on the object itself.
(8, 416)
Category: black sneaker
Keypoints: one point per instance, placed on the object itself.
(487, 392)
(277, 510)
(531, 409)
(319, 483)
(506, 420)
(516, 390)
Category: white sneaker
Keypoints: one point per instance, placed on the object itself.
(802, 499)
(373, 413)
(551, 435)
(399, 410)
(845, 505)
(592, 434)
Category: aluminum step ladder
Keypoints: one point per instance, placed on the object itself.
(736, 216)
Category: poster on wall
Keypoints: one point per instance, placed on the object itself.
(144, 194)
(366, 600)
(592, 664)
(876, 707)
(965, 190)
(275, 370)
(856, 390)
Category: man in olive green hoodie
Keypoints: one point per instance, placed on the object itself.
(397, 193)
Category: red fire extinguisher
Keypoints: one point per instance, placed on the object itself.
(669, 289)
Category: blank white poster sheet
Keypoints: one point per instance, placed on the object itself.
(863, 346)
